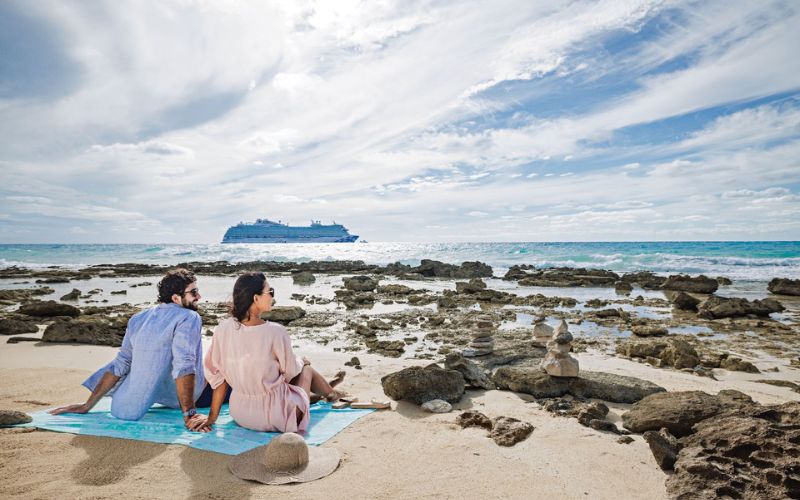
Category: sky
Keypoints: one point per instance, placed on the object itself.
(168, 121)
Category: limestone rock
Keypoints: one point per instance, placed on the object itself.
(645, 279)
(679, 411)
(49, 308)
(360, 283)
(303, 278)
(474, 285)
(388, 348)
(783, 286)
(649, 331)
(508, 431)
(472, 418)
(622, 287)
(696, 284)
(599, 424)
(716, 307)
(395, 289)
(562, 276)
(591, 412)
(283, 314)
(97, 331)
(664, 447)
(599, 385)
(17, 325)
(73, 295)
(674, 352)
(738, 365)
(682, 301)
(13, 417)
(751, 455)
(437, 406)
(418, 384)
(474, 376)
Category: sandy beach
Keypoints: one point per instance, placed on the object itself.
(402, 453)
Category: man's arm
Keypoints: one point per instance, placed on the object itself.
(185, 386)
(106, 383)
(185, 345)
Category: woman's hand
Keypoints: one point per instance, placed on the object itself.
(77, 408)
(197, 423)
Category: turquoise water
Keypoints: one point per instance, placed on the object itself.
(741, 260)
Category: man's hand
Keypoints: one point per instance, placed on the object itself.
(78, 408)
(197, 423)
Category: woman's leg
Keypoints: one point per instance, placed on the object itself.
(303, 381)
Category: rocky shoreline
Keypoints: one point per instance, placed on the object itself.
(679, 322)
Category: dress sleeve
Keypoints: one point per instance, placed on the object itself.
(213, 361)
(184, 346)
(122, 363)
(290, 365)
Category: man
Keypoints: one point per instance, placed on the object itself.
(160, 361)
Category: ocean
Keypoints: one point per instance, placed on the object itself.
(739, 260)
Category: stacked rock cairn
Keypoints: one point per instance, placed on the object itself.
(558, 362)
(542, 332)
(483, 338)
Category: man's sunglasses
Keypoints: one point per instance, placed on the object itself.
(194, 291)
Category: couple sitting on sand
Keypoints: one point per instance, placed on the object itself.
(250, 363)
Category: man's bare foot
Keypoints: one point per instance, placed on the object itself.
(337, 379)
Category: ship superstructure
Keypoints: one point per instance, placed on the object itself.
(267, 231)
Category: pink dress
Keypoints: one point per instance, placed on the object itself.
(258, 363)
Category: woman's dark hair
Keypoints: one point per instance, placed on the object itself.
(174, 282)
(246, 286)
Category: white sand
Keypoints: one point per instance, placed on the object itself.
(403, 453)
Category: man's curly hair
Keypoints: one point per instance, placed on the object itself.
(174, 282)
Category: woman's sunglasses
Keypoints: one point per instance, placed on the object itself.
(272, 292)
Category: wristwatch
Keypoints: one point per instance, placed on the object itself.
(191, 412)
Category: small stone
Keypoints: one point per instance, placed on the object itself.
(508, 431)
(437, 406)
(13, 417)
(472, 418)
(354, 362)
(625, 440)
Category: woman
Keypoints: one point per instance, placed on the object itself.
(272, 388)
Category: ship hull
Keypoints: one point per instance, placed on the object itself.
(310, 239)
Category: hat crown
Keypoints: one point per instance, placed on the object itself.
(286, 453)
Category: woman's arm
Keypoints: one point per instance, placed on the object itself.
(217, 398)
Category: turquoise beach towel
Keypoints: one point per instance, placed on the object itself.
(165, 425)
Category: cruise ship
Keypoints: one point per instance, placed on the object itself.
(267, 231)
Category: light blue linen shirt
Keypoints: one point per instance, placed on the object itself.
(161, 344)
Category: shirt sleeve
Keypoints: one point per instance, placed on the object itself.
(185, 342)
(289, 364)
(122, 363)
(213, 362)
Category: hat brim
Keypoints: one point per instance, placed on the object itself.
(250, 465)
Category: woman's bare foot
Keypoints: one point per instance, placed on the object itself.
(335, 396)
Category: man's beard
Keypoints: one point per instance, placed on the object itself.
(189, 304)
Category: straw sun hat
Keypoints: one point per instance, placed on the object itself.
(286, 459)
